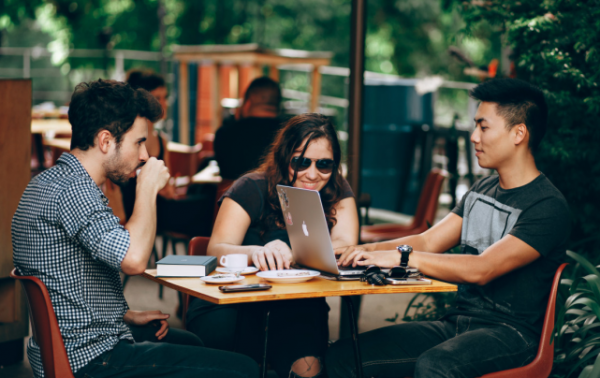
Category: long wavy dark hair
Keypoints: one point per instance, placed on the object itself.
(310, 127)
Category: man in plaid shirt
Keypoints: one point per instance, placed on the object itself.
(65, 234)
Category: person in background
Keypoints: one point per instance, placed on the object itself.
(64, 233)
(512, 228)
(175, 213)
(240, 145)
(306, 154)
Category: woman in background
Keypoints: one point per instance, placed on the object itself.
(306, 154)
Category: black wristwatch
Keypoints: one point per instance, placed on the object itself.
(405, 251)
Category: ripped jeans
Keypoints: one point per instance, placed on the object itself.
(456, 346)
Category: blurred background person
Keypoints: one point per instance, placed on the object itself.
(240, 144)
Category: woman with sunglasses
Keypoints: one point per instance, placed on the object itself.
(306, 154)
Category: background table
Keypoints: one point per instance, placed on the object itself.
(318, 287)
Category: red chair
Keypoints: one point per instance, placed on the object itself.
(198, 247)
(426, 210)
(183, 159)
(45, 328)
(541, 366)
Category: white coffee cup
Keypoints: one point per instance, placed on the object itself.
(236, 262)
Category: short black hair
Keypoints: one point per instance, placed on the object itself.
(264, 91)
(518, 102)
(145, 79)
(107, 105)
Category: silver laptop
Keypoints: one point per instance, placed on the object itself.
(307, 228)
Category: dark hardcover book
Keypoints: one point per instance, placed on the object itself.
(185, 266)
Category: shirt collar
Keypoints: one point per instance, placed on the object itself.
(74, 164)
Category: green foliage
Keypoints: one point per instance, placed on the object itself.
(556, 46)
(408, 37)
(577, 343)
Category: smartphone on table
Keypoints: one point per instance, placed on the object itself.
(238, 288)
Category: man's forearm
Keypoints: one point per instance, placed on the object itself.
(418, 242)
(453, 268)
(142, 231)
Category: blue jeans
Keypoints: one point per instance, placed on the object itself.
(457, 346)
(179, 354)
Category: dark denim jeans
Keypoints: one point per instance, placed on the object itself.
(458, 346)
(179, 354)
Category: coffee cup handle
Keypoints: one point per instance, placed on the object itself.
(223, 260)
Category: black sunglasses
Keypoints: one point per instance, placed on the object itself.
(323, 165)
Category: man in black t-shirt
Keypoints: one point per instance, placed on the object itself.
(241, 144)
(512, 229)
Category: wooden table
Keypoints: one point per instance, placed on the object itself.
(58, 146)
(318, 287)
(58, 126)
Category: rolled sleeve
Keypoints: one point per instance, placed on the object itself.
(88, 220)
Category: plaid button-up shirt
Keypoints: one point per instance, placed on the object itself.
(64, 233)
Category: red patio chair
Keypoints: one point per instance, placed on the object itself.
(541, 366)
(45, 328)
(426, 210)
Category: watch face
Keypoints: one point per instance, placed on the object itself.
(404, 248)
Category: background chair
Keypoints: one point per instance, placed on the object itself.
(197, 247)
(541, 366)
(45, 327)
(424, 216)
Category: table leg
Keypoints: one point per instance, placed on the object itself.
(354, 329)
(264, 359)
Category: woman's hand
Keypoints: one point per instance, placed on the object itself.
(274, 255)
(140, 318)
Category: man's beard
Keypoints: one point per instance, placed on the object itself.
(116, 170)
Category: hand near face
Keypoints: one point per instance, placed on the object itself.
(273, 256)
(154, 174)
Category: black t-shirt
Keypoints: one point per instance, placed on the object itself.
(538, 214)
(240, 145)
(250, 192)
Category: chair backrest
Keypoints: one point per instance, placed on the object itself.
(541, 366)
(45, 327)
(183, 159)
(429, 198)
(198, 247)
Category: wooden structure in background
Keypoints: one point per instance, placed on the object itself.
(15, 151)
(225, 71)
